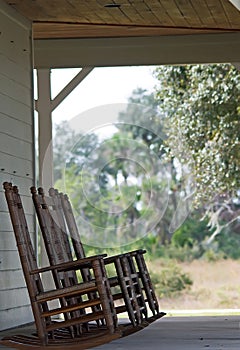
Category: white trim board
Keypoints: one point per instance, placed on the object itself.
(181, 49)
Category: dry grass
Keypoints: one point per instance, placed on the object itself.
(216, 285)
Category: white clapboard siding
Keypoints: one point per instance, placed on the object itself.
(15, 128)
(7, 242)
(11, 296)
(22, 149)
(16, 90)
(8, 165)
(17, 154)
(9, 260)
(19, 316)
(23, 182)
(27, 204)
(9, 106)
(12, 276)
(6, 225)
(14, 72)
(14, 40)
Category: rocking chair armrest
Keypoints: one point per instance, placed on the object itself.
(69, 265)
(111, 259)
(84, 262)
(136, 252)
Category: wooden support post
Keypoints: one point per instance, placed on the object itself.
(44, 109)
(44, 106)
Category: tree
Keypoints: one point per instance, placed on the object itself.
(202, 106)
(123, 187)
(71, 148)
(202, 103)
(143, 121)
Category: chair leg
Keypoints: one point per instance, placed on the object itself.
(105, 295)
(132, 289)
(125, 290)
(41, 331)
(137, 285)
(147, 284)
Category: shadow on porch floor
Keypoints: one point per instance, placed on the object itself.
(173, 333)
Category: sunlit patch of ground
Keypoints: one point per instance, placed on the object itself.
(216, 285)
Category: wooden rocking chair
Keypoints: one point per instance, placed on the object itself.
(53, 226)
(73, 298)
(136, 288)
(139, 274)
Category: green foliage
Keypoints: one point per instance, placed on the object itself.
(191, 241)
(192, 230)
(120, 191)
(211, 255)
(172, 252)
(147, 161)
(229, 244)
(170, 281)
(202, 103)
(71, 148)
(141, 120)
(211, 251)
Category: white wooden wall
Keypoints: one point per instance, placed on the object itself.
(16, 156)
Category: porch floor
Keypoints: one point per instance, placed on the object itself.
(173, 333)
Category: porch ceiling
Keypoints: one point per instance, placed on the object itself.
(74, 33)
(119, 18)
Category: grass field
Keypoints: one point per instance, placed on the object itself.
(216, 285)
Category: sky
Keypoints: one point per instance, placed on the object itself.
(103, 86)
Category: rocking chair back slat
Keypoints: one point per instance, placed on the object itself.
(26, 254)
(72, 226)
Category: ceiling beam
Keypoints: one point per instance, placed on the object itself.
(105, 52)
(52, 30)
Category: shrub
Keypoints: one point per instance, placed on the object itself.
(170, 281)
(229, 244)
(184, 253)
(192, 230)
